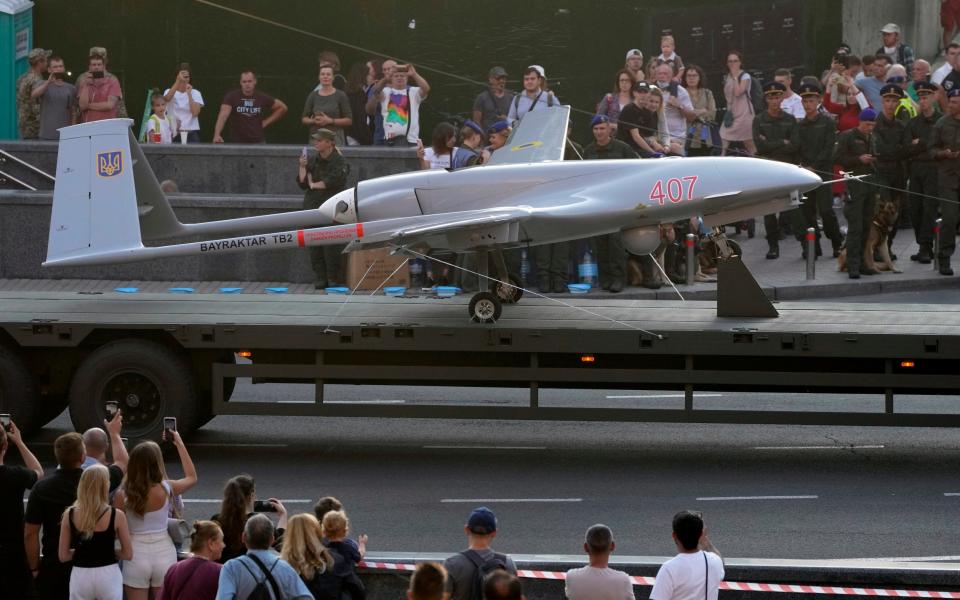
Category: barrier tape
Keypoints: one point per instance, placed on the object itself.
(783, 588)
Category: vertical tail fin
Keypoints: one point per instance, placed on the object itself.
(104, 189)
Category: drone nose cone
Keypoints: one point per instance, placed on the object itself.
(340, 208)
(807, 180)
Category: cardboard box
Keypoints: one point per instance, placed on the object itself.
(358, 263)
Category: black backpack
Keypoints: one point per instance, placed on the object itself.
(756, 95)
(482, 569)
(260, 591)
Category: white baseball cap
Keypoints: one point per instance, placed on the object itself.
(634, 52)
(890, 28)
(538, 69)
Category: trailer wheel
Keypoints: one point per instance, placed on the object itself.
(149, 382)
(17, 394)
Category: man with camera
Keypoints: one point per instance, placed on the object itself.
(57, 98)
(96, 441)
(98, 94)
(14, 481)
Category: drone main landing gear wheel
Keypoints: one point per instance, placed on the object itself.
(485, 307)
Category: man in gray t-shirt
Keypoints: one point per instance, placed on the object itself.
(58, 100)
(478, 559)
(493, 104)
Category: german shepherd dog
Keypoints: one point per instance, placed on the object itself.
(876, 240)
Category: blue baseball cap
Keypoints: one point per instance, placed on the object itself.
(499, 126)
(472, 125)
(868, 114)
(597, 119)
(482, 521)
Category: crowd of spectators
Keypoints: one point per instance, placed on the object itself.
(661, 107)
(108, 532)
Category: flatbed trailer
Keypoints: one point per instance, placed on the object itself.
(175, 355)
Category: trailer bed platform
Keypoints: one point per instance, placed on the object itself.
(574, 343)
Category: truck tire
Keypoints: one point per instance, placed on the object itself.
(17, 395)
(148, 380)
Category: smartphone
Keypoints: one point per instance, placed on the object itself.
(97, 74)
(112, 408)
(263, 506)
(60, 76)
(303, 153)
(5, 421)
(170, 423)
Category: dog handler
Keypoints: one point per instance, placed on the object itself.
(945, 149)
(854, 154)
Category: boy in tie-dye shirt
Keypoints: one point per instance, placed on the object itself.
(400, 106)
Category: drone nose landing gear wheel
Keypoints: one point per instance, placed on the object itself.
(485, 307)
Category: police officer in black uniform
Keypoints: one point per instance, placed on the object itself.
(924, 188)
(322, 175)
(855, 155)
(945, 149)
(890, 144)
(815, 138)
(774, 132)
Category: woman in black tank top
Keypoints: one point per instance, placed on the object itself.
(88, 532)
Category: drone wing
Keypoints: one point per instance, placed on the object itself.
(540, 136)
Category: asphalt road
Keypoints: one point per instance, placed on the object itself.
(766, 491)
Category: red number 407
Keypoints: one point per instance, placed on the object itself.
(672, 189)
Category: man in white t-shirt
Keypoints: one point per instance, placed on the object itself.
(185, 104)
(677, 105)
(792, 103)
(400, 106)
(597, 581)
(951, 55)
(534, 94)
(696, 572)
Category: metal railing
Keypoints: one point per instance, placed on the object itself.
(6, 157)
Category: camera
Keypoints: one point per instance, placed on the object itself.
(263, 506)
(112, 408)
(6, 422)
(60, 76)
(97, 74)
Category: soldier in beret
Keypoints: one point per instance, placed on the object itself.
(854, 154)
(773, 133)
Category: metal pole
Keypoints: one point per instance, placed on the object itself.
(691, 265)
(811, 253)
(936, 244)
(5, 154)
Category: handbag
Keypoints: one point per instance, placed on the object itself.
(178, 530)
(728, 118)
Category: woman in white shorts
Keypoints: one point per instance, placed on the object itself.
(88, 532)
(146, 495)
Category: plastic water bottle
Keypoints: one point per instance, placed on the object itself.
(524, 266)
(588, 268)
(416, 273)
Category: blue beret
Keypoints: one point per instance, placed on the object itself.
(868, 114)
(597, 119)
(499, 126)
(472, 125)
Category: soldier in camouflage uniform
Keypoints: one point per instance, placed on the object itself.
(856, 155)
(28, 109)
(945, 149)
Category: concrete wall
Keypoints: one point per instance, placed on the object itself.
(229, 168)
(25, 221)
(919, 21)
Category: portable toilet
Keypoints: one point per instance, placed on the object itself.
(16, 40)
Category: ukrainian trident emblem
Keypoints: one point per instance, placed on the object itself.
(110, 164)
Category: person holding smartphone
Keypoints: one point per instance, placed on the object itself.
(97, 442)
(14, 481)
(146, 497)
(697, 570)
(98, 94)
(57, 98)
(239, 504)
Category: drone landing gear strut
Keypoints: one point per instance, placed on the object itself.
(486, 306)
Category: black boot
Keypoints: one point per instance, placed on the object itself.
(774, 251)
(945, 267)
(924, 256)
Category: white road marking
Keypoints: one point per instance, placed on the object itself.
(951, 493)
(720, 498)
(664, 396)
(485, 447)
(229, 445)
(504, 500)
(219, 500)
(861, 447)
(904, 559)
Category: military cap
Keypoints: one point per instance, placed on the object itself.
(598, 119)
(925, 88)
(774, 87)
(953, 92)
(810, 89)
(323, 134)
(38, 54)
(892, 90)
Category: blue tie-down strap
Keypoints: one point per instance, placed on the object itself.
(276, 290)
(228, 290)
(180, 290)
(126, 290)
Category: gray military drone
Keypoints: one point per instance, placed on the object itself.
(107, 202)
